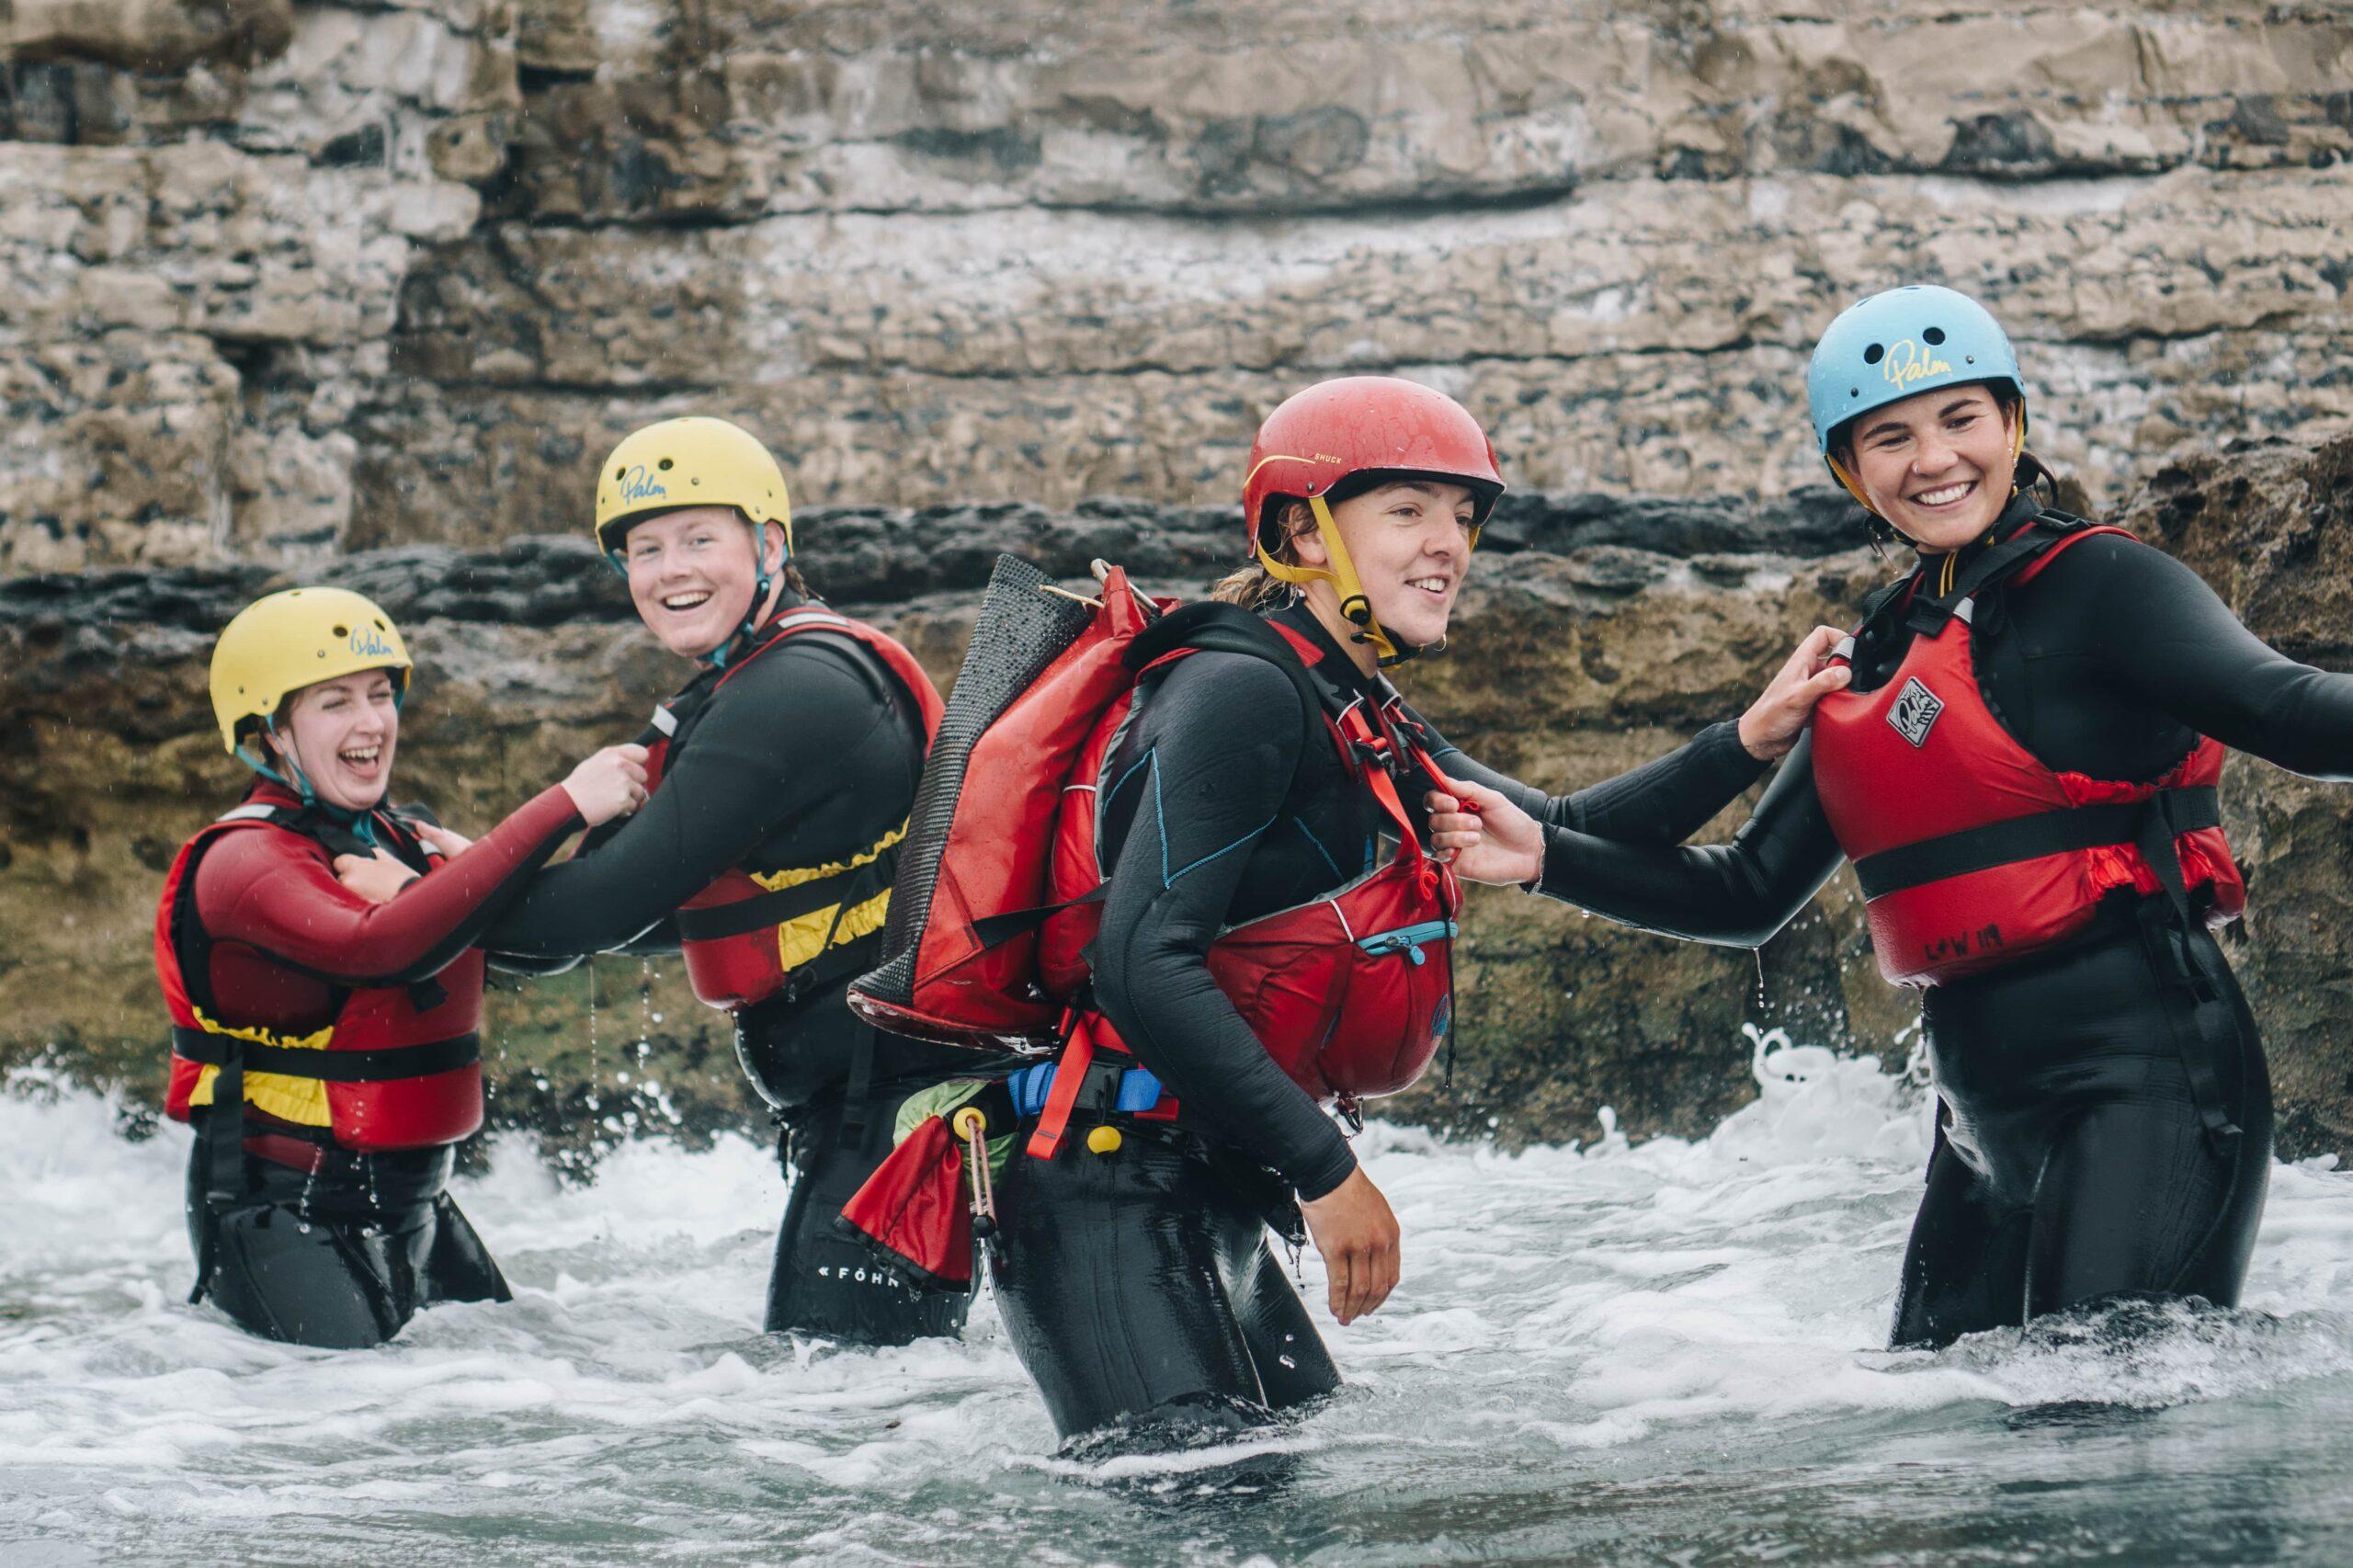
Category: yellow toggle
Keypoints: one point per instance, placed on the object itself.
(1103, 1141)
(969, 1123)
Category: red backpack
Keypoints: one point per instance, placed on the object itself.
(999, 890)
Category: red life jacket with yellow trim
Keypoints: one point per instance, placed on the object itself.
(759, 931)
(1971, 852)
(398, 1067)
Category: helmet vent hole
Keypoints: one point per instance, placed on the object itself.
(1969, 359)
(1875, 353)
(1854, 391)
(1934, 335)
(664, 465)
(343, 631)
(620, 473)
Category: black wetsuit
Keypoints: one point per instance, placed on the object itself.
(1138, 1287)
(2073, 1163)
(343, 1256)
(808, 754)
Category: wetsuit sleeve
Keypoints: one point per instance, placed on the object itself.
(1738, 894)
(2158, 631)
(1663, 801)
(278, 893)
(776, 741)
(1216, 751)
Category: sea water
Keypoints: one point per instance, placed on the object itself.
(1666, 1352)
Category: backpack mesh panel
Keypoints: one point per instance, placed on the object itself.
(1019, 633)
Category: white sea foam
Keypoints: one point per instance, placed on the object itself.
(1630, 1349)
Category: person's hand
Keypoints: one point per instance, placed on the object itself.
(1354, 1229)
(1454, 826)
(609, 784)
(441, 841)
(375, 877)
(1774, 721)
(1491, 839)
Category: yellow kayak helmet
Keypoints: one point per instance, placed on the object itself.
(278, 644)
(693, 461)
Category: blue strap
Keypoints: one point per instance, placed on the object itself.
(1139, 1090)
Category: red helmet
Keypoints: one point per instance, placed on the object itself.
(1367, 425)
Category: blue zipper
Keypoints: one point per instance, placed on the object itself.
(1408, 939)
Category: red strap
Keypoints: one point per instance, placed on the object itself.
(1309, 652)
(2028, 572)
(1069, 1076)
(1356, 730)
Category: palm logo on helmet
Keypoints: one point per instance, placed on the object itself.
(1899, 343)
(695, 461)
(282, 642)
(1339, 437)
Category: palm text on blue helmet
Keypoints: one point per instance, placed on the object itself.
(1899, 343)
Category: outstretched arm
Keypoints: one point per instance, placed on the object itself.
(1668, 799)
(2161, 633)
(279, 893)
(1737, 894)
(776, 742)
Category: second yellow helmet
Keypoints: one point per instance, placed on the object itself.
(693, 461)
(280, 644)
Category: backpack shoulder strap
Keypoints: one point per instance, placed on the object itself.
(1213, 626)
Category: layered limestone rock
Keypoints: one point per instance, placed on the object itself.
(287, 278)
(1597, 634)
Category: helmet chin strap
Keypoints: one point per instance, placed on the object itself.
(763, 592)
(1355, 608)
(299, 783)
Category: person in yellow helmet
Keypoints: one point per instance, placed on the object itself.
(782, 776)
(337, 1024)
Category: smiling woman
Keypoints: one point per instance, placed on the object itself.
(323, 1041)
(783, 773)
(2024, 773)
(1255, 828)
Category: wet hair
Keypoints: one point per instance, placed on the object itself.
(1253, 586)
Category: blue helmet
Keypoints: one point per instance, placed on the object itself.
(1901, 342)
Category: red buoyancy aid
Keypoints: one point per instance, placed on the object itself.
(1971, 852)
(1350, 993)
(759, 930)
(398, 1067)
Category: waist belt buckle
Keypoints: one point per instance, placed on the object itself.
(1098, 1091)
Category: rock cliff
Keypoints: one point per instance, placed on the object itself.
(285, 280)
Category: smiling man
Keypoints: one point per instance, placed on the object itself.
(782, 773)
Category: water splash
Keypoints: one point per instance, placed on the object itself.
(1664, 1350)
